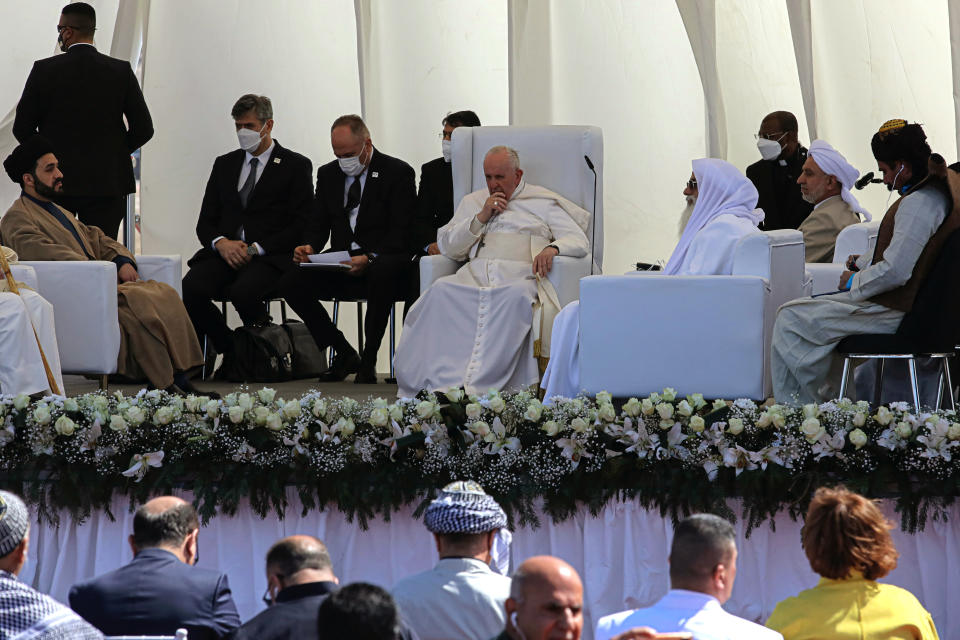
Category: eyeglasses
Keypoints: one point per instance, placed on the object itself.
(444, 136)
(268, 598)
(61, 27)
(691, 184)
(770, 136)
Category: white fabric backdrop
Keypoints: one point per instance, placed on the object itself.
(620, 554)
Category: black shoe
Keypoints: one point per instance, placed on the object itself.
(189, 387)
(344, 363)
(174, 390)
(367, 374)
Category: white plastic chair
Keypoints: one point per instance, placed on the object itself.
(856, 239)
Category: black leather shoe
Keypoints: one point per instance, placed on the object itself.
(344, 363)
(189, 387)
(367, 374)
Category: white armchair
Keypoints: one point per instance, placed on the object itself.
(857, 239)
(84, 299)
(697, 334)
(552, 157)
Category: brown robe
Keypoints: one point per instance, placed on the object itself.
(156, 335)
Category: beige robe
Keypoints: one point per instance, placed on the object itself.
(157, 337)
(822, 226)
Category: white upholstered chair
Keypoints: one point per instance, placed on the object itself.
(552, 157)
(84, 299)
(857, 239)
(697, 334)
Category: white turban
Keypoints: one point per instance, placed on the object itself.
(833, 164)
(721, 189)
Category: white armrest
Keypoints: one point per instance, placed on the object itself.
(25, 274)
(565, 276)
(433, 268)
(84, 299)
(826, 276)
(697, 334)
(166, 269)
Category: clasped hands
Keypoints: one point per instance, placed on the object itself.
(494, 206)
(852, 268)
(234, 252)
(358, 264)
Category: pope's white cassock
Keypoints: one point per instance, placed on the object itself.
(21, 367)
(477, 327)
(725, 211)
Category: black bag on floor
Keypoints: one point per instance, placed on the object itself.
(309, 361)
(260, 354)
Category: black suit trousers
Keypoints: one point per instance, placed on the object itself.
(106, 212)
(381, 284)
(211, 278)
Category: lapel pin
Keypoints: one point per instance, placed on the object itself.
(375, 174)
(276, 161)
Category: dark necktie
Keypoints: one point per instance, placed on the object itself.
(353, 196)
(247, 187)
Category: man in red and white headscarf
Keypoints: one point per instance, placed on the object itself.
(723, 213)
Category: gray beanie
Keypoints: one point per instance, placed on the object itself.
(14, 522)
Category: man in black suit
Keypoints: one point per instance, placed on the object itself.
(775, 176)
(78, 102)
(159, 591)
(251, 218)
(435, 195)
(364, 205)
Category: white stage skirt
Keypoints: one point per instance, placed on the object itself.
(620, 554)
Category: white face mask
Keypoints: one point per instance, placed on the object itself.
(352, 165)
(769, 149)
(249, 140)
(447, 147)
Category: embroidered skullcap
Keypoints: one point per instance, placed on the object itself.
(14, 522)
(464, 507)
(24, 158)
(832, 163)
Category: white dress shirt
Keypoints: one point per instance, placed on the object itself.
(262, 161)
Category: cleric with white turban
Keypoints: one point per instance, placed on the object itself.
(832, 163)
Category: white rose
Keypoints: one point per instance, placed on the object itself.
(319, 408)
(632, 407)
(654, 397)
(667, 424)
(669, 394)
(665, 410)
(260, 416)
(42, 413)
(474, 410)
(578, 424)
(291, 409)
(646, 407)
(811, 411)
(497, 404)
(117, 423)
(274, 422)
(163, 415)
(735, 426)
(192, 403)
(603, 398)
(719, 404)
(65, 426)
(953, 432)
(884, 416)
(100, 402)
(380, 403)
(135, 416)
(396, 412)
(607, 413)
(551, 428)
(480, 428)
(347, 405)
(684, 409)
(21, 401)
(266, 395)
(379, 417)
(213, 409)
(235, 414)
(454, 395)
(697, 400)
(779, 420)
(765, 420)
(534, 411)
(857, 438)
(697, 424)
(810, 428)
(859, 419)
(230, 400)
(904, 430)
(245, 401)
(345, 426)
(425, 409)
(70, 405)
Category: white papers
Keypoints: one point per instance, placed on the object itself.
(329, 261)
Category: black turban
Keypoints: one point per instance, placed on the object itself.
(24, 157)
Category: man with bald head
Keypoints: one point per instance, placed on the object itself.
(775, 175)
(488, 325)
(545, 603)
(160, 591)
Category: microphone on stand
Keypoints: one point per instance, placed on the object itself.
(866, 179)
(593, 215)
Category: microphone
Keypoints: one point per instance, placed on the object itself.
(866, 179)
(593, 215)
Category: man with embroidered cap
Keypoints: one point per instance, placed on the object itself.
(825, 182)
(461, 597)
(724, 211)
(157, 340)
(876, 290)
(24, 611)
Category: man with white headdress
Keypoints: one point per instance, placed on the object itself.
(486, 325)
(825, 182)
(723, 213)
(463, 595)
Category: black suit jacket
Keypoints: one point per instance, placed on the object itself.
(386, 208)
(434, 202)
(77, 101)
(276, 211)
(156, 594)
(780, 198)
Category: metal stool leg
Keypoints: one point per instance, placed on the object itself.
(393, 337)
(844, 376)
(878, 383)
(336, 320)
(914, 388)
(939, 391)
(949, 383)
(360, 326)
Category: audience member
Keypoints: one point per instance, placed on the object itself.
(361, 611)
(364, 205)
(257, 200)
(546, 601)
(486, 326)
(461, 597)
(703, 566)
(79, 102)
(160, 591)
(723, 213)
(825, 183)
(25, 613)
(435, 195)
(847, 541)
(775, 176)
(157, 340)
(876, 290)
